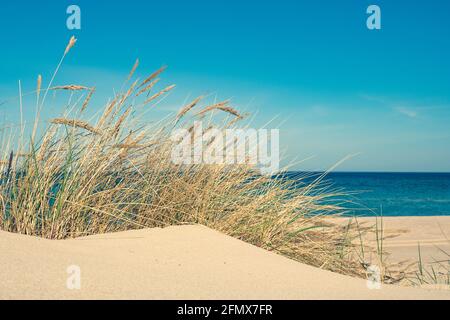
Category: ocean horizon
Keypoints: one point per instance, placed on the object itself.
(386, 193)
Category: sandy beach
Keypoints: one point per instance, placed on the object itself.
(187, 262)
(404, 235)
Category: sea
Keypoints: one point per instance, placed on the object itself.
(387, 193)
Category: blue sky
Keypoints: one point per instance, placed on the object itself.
(335, 87)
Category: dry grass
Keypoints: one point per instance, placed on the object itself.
(76, 123)
(223, 106)
(70, 87)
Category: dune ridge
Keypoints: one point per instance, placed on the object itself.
(181, 262)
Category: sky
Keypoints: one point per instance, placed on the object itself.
(332, 86)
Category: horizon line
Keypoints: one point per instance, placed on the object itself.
(368, 171)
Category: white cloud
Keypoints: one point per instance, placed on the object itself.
(410, 113)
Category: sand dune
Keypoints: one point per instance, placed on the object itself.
(185, 262)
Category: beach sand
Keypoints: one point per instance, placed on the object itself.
(183, 262)
(403, 235)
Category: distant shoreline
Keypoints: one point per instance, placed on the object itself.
(394, 216)
(369, 172)
(383, 193)
(405, 234)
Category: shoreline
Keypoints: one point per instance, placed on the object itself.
(404, 235)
